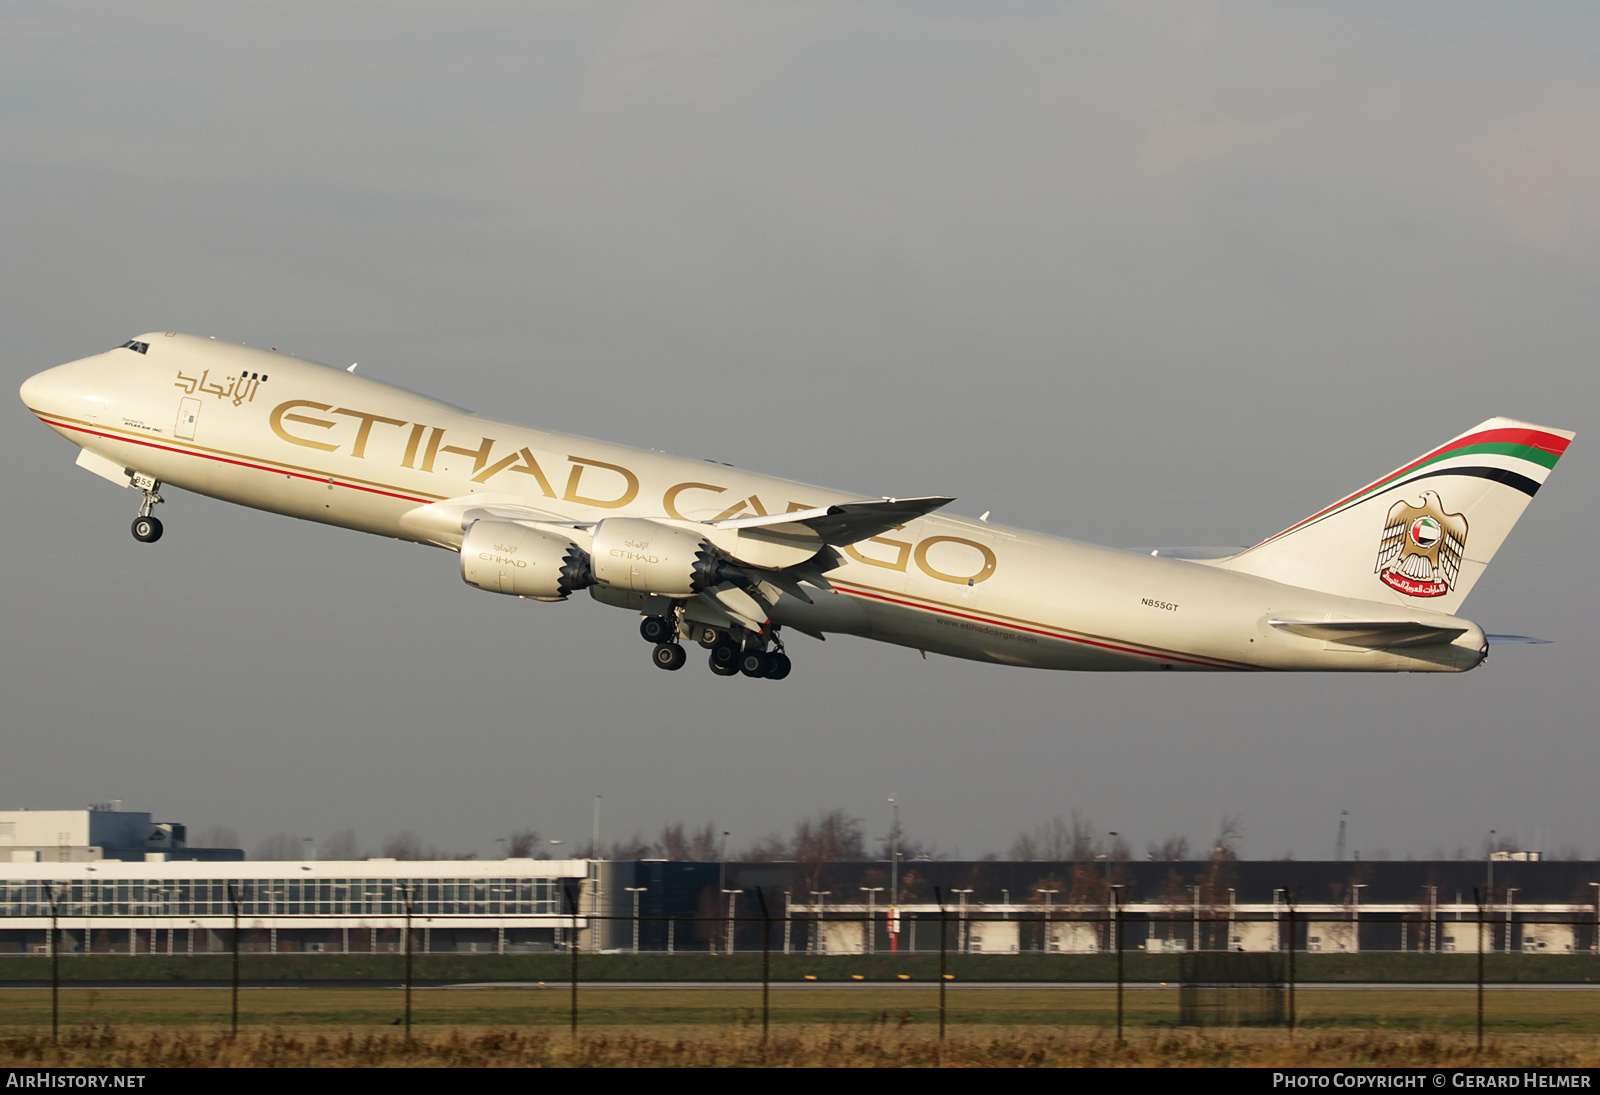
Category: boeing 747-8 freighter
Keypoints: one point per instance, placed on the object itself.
(731, 559)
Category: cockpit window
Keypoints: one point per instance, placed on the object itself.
(136, 347)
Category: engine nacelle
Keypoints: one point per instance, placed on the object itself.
(644, 556)
(504, 557)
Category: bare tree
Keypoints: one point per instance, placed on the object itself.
(404, 845)
(215, 836)
(672, 843)
(705, 843)
(1174, 849)
(1229, 830)
(342, 845)
(829, 838)
(1071, 838)
(635, 848)
(769, 849)
(522, 843)
(279, 846)
(1024, 849)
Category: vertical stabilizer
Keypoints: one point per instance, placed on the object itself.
(1423, 534)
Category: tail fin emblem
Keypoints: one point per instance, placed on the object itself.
(1420, 550)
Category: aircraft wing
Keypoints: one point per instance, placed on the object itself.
(1372, 633)
(835, 526)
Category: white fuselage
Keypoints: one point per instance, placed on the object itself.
(270, 431)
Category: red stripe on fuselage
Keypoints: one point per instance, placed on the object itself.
(227, 460)
(992, 622)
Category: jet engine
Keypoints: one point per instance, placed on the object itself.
(505, 557)
(645, 556)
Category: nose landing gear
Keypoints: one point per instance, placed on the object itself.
(147, 529)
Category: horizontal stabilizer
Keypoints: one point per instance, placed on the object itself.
(1189, 552)
(1372, 633)
(1504, 640)
(835, 526)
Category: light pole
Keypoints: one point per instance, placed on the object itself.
(1044, 946)
(1488, 859)
(819, 898)
(869, 936)
(733, 895)
(962, 935)
(635, 891)
(894, 877)
(894, 853)
(1355, 913)
(1511, 897)
(1595, 945)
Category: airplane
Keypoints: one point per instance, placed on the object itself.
(729, 559)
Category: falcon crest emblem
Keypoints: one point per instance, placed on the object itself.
(1420, 550)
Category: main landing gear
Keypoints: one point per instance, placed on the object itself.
(729, 655)
(147, 529)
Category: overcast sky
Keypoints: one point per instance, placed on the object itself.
(1128, 273)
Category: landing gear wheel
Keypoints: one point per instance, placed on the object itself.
(723, 670)
(780, 666)
(669, 656)
(725, 655)
(656, 629)
(753, 663)
(707, 637)
(147, 530)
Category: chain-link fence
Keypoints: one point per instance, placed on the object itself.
(1465, 969)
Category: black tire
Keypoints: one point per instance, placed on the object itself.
(726, 655)
(147, 530)
(753, 663)
(722, 670)
(707, 637)
(656, 629)
(669, 656)
(780, 666)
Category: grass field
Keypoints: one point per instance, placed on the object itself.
(817, 1025)
(1436, 1010)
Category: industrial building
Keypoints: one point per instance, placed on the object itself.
(103, 831)
(116, 882)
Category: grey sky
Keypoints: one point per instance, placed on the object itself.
(1135, 274)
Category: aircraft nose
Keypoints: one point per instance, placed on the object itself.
(36, 390)
(65, 389)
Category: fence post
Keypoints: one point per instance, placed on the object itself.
(944, 954)
(766, 960)
(233, 901)
(55, 963)
(1116, 943)
(572, 949)
(1291, 965)
(409, 891)
(1478, 897)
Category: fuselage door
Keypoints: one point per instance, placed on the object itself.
(188, 415)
